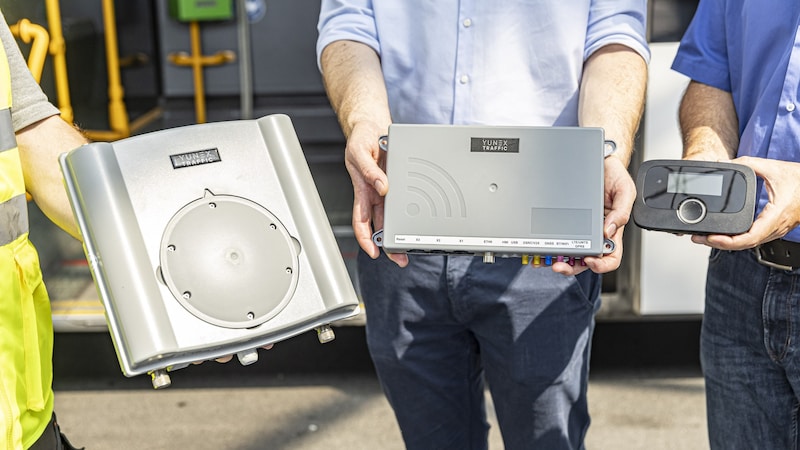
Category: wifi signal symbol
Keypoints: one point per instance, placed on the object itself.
(435, 188)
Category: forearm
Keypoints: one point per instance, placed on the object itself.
(709, 123)
(353, 80)
(612, 95)
(40, 145)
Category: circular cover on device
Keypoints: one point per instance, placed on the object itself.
(229, 261)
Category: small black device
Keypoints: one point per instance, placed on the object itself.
(694, 197)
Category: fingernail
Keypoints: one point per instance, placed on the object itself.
(379, 186)
(611, 229)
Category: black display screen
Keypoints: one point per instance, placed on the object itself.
(695, 184)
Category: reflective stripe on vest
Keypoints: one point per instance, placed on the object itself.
(13, 206)
(14, 217)
(8, 139)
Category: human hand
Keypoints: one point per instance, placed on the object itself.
(619, 195)
(780, 215)
(366, 164)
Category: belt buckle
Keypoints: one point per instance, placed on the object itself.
(761, 260)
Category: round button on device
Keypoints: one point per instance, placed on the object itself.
(691, 211)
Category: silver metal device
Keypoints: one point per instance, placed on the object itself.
(495, 191)
(205, 241)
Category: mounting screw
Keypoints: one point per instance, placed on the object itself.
(160, 379)
(247, 357)
(325, 334)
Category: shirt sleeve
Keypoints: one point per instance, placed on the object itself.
(350, 20)
(29, 103)
(617, 22)
(702, 54)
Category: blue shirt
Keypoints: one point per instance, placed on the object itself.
(478, 62)
(752, 50)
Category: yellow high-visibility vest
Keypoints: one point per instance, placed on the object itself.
(26, 327)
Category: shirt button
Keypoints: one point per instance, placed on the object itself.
(790, 107)
(464, 79)
(467, 23)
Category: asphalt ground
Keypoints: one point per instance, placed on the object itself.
(645, 392)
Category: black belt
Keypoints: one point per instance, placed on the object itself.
(780, 254)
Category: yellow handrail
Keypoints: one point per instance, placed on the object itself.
(120, 125)
(37, 36)
(117, 113)
(197, 61)
(58, 50)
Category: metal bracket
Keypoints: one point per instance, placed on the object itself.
(383, 143)
(609, 246)
(609, 148)
(377, 238)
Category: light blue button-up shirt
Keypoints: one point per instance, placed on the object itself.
(752, 50)
(484, 62)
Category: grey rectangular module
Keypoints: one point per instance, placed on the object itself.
(205, 241)
(488, 190)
